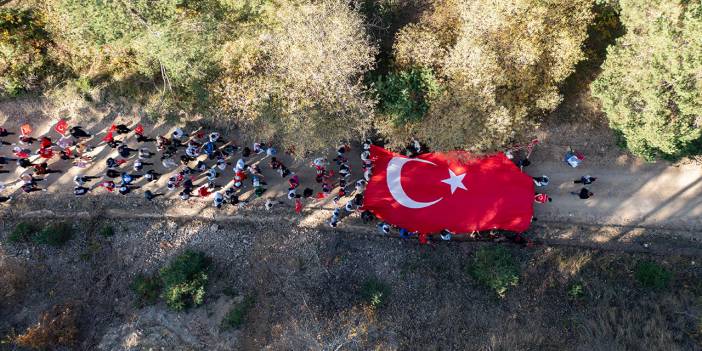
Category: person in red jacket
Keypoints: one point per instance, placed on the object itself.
(203, 191)
(46, 152)
(542, 198)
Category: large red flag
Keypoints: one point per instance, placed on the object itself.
(455, 191)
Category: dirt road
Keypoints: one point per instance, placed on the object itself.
(628, 191)
(647, 195)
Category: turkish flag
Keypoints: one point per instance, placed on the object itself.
(456, 191)
(139, 129)
(61, 127)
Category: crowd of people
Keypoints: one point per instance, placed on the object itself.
(188, 157)
(204, 158)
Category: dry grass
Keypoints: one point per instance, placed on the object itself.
(56, 327)
(570, 265)
(13, 278)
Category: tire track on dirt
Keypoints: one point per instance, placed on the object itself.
(617, 238)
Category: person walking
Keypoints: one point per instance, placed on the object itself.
(542, 198)
(585, 180)
(81, 180)
(584, 193)
(540, 181)
(43, 169)
(78, 133)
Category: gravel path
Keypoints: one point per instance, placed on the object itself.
(627, 193)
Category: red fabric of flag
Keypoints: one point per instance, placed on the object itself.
(61, 127)
(139, 129)
(456, 191)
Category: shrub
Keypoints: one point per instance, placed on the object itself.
(107, 230)
(495, 268)
(375, 293)
(23, 232)
(184, 280)
(56, 327)
(55, 234)
(576, 291)
(405, 96)
(146, 288)
(652, 275)
(237, 314)
(650, 86)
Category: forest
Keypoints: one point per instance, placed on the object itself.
(476, 75)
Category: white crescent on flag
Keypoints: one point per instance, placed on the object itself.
(394, 180)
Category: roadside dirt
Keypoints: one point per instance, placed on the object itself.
(307, 278)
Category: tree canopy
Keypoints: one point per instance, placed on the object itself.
(306, 74)
(500, 63)
(651, 83)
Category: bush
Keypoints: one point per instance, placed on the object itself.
(184, 280)
(495, 268)
(375, 293)
(652, 275)
(406, 95)
(56, 327)
(576, 291)
(23, 232)
(237, 314)
(147, 289)
(107, 230)
(55, 234)
(650, 81)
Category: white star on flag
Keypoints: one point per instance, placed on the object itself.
(455, 181)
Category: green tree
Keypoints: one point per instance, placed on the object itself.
(23, 50)
(501, 69)
(406, 95)
(299, 82)
(184, 280)
(651, 83)
(164, 52)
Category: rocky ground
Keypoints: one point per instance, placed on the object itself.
(307, 280)
(307, 286)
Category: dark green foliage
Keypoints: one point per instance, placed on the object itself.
(375, 292)
(576, 291)
(652, 275)
(407, 95)
(495, 268)
(237, 314)
(107, 230)
(55, 234)
(23, 232)
(650, 86)
(184, 280)
(146, 288)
